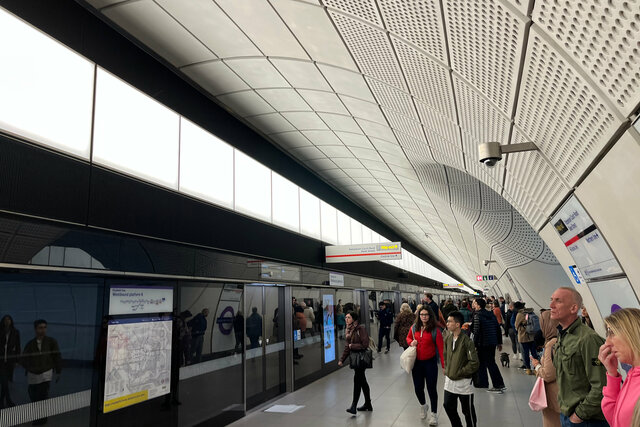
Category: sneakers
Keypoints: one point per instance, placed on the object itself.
(523, 367)
(433, 419)
(386, 351)
(495, 390)
(423, 411)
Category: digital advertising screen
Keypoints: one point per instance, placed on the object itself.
(329, 339)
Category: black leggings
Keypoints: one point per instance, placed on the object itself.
(360, 383)
(451, 408)
(426, 370)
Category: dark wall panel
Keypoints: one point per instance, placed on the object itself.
(38, 182)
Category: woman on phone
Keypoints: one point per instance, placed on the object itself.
(357, 340)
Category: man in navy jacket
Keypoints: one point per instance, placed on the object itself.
(385, 318)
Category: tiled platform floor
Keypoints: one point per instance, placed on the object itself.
(394, 401)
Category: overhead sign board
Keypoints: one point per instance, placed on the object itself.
(336, 279)
(480, 278)
(140, 299)
(452, 285)
(367, 252)
(584, 241)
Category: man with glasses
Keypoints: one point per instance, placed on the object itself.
(579, 373)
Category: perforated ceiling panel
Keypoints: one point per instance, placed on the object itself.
(485, 41)
(562, 114)
(388, 100)
(602, 38)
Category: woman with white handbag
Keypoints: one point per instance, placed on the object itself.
(427, 339)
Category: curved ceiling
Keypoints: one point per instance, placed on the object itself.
(387, 100)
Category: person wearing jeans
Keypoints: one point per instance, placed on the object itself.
(427, 338)
(528, 344)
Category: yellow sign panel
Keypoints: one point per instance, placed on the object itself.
(124, 401)
(456, 285)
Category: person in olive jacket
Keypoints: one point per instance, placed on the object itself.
(460, 363)
(357, 339)
(579, 374)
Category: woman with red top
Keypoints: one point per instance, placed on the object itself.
(426, 337)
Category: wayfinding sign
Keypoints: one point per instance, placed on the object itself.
(367, 252)
(140, 299)
(585, 243)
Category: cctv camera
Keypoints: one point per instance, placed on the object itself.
(489, 153)
(485, 262)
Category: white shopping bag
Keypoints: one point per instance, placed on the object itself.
(408, 359)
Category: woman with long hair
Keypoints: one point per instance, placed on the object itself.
(357, 340)
(9, 354)
(544, 369)
(622, 345)
(426, 337)
(404, 320)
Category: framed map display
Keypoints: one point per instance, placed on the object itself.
(138, 361)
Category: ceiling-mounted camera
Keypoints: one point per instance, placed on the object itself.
(490, 153)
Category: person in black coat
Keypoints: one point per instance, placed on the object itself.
(10, 352)
(486, 337)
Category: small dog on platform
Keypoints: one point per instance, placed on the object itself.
(504, 359)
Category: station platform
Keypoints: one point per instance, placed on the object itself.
(394, 403)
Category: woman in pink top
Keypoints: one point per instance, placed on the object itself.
(622, 344)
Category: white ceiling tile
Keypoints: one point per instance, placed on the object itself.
(147, 22)
(374, 166)
(363, 109)
(376, 130)
(355, 140)
(284, 99)
(359, 173)
(346, 182)
(322, 165)
(334, 173)
(301, 74)
(307, 153)
(215, 77)
(345, 163)
(305, 120)
(315, 32)
(257, 72)
(347, 82)
(291, 139)
(200, 16)
(334, 151)
(364, 153)
(322, 137)
(324, 101)
(271, 123)
(263, 25)
(246, 103)
(338, 122)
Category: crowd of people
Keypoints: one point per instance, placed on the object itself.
(588, 380)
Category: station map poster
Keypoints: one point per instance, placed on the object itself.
(584, 241)
(140, 299)
(329, 340)
(138, 364)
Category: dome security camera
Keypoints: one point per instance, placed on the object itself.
(489, 153)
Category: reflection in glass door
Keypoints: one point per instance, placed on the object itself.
(264, 343)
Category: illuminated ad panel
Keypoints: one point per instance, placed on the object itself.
(584, 241)
(329, 340)
(368, 252)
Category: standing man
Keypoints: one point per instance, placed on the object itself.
(461, 362)
(486, 336)
(428, 298)
(198, 327)
(385, 317)
(41, 359)
(580, 377)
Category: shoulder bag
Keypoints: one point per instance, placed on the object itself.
(362, 359)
